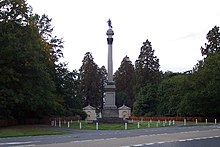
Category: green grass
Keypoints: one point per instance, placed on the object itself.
(18, 131)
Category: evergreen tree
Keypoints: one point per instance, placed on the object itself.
(124, 82)
(146, 67)
(213, 44)
(90, 82)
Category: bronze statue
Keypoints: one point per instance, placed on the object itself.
(109, 24)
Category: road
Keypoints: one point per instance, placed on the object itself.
(155, 137)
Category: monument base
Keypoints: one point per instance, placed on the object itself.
(110, 115)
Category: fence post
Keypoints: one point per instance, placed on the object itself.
(80, 125)
(215, 121)
(184, 122)
(126, 126)
(196, 121)
(97, 125)
(68, 124)
(59, 123)
(138, 125)
(206, 121)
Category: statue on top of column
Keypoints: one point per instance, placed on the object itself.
(109, 24)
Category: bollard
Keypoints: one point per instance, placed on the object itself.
(80, 125)
(141, 120)
(196, 121)
(132, 120)
(138, 125)
(170, 122)
(52, 123)
(157, 124)
(68, 124)
(55, 123)
(59, 123)
(206, 121)
(64, 122)
(173, 122)
(97, 126)
(164, 124)
(215, 121)
(150, 121)
(184, 122)
(126, 126)
(71, 121)
(148, 124)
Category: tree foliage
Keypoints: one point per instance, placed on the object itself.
(91, 82)
(146, 67)
(124, 82)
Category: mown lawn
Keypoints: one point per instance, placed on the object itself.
(29, 130)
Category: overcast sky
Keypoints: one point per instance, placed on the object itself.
(176, 29)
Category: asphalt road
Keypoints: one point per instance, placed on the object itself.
(154, 137)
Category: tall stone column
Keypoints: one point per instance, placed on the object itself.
(110, 109)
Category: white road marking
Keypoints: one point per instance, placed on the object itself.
(17, 143)
(181, 140)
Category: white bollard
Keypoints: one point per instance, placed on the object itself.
(157, 124)
(170, 122)
(184, 122)
(71, 121)
(215, 121)
(164, 123)
(97, 126)
(150, 121)
(138, 125)
(148, 124)
(52, 123)
(59, 123)
(64, 122)
(80, 125)
(206, 121)
(126, 126)
(173, 122)
(196, 121)
(55, 123)
(132, 120)
(68, 124)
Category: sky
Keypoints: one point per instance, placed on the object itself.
(176, 29)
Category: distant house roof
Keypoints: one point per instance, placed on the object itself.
(88, 108)
(124, 108)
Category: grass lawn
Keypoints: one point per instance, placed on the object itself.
(27, 130)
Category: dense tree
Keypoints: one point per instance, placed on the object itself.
(213, 44)
(103, 82)
(146, 67)
(27, 89)
(90, 82)
(146, 101)
(124, 82)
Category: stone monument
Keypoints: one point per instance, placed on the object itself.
(110, 112)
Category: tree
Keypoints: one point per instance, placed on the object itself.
(213, 44)
(90, 82)
(103, 82)
(124, 82)
(146, 101)
(146, 67)
(27, 63)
